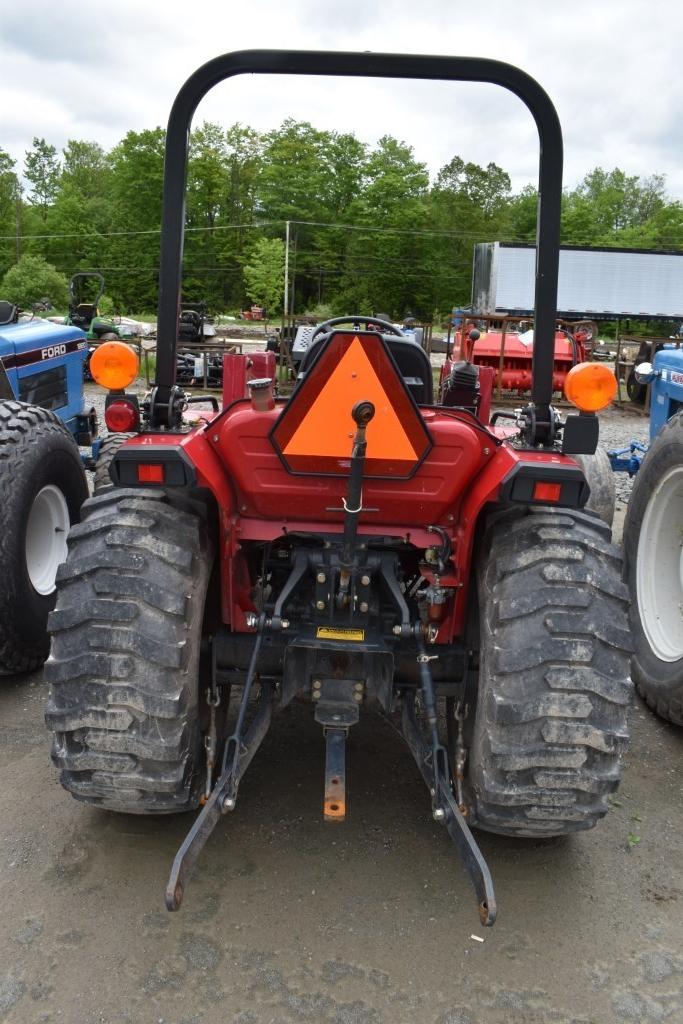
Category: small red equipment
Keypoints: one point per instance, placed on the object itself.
(513, 367)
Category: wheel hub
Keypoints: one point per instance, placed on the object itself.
(48, 525)
(659, 568)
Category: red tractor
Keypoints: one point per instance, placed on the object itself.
(509, 353)
(365, 544)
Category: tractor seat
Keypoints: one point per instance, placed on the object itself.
(412, 361)
(190, 326)
(86, 311)
(8, 312)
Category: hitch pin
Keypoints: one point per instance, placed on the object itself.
(460, 714)
(213, 699)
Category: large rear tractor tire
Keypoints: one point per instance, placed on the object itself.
(124, 668)
(553, 682)
(600, 478)
(653, 563)
(108, 449)
(635, 391)
(42, 488)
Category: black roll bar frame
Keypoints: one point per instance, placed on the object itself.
(164, 410)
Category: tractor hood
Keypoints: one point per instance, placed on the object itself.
(34, 341)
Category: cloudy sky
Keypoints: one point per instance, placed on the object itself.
(614, 69)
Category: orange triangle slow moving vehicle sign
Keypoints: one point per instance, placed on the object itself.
(315, 432)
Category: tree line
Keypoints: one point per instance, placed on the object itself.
(369, 231)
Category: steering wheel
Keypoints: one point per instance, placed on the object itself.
(324, 327)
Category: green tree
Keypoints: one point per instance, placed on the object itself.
(264, 273)
(620, 201)
(207, 182)
(137, 168)
(31, 279)
(485, 188)
(41, 168)
(81, 213)
(84, 170)
(207, 187)
(579, 221)
(243, 148)
(387, 268)
(663, 230)
(9, 188)
(468, 204)
(10, 211)
(293, 177)
(521, 215)
(293, 184)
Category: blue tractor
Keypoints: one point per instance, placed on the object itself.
(653, 542)
(42, 478)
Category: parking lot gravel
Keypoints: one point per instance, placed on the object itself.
(287, 920)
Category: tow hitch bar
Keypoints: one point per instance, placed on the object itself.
(430, 755)
(239, 750)
(432, 760)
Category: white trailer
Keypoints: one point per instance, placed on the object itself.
(593, 283)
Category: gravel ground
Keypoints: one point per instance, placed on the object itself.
(289, 921)
(618, 427)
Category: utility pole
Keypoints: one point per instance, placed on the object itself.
(291, 299)
(285, 304)
(17, 209)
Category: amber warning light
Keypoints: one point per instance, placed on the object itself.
(315, 432)
(590, 386)
(114, 365)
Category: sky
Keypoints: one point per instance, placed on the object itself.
(96, 70)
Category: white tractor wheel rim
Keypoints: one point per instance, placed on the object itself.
(659, 568)
(48, 525)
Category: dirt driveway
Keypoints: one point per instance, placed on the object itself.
(371, 922)
(288, 920)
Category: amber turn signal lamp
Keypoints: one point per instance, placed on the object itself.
(114, 365)
(590, 386)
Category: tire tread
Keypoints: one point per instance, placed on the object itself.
(123, 668)
(554, 684)
(23, 428)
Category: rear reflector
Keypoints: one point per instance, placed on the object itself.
(150, 474)
(314, 433)
(547, 492)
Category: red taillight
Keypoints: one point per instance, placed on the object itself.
(150, 473)
(547, 492)
(121, 416)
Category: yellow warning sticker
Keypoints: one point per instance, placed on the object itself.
(330, 633)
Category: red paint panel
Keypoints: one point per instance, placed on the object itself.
(266, 489)
(238, 369)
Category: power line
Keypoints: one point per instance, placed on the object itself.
(451, 273)
(370, 228)
(147, 231)
(674, 240)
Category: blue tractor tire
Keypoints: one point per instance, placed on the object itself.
(42, 488)
(653, 564)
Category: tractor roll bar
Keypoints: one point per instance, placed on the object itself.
(365, 65)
